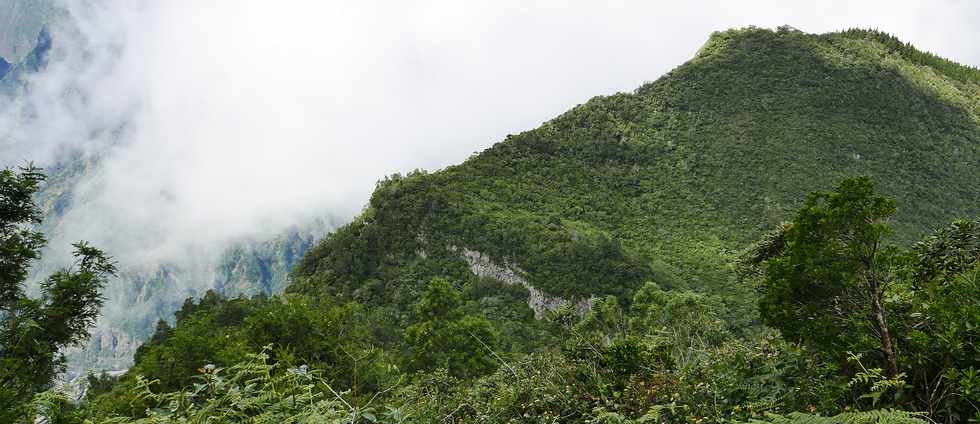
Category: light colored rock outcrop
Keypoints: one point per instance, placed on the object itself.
(483, 266)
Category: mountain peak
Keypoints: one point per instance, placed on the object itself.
(666, 182)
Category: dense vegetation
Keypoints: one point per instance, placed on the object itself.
(34, 330)
(665, 356)
(733, 271)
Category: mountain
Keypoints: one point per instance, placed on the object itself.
(592, 269)
(671, 182)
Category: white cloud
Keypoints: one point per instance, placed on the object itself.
(239, 117)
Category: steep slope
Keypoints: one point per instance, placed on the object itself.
(667, 183)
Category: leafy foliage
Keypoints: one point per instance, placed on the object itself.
(832, 281)
(829, 279)
(943, 328)
(887, 416)
(252, 391)
(446, 338)
(33, 331)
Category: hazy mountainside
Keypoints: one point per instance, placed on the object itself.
(154, 289)
(670, 182)
(148, 292)
(146, 289)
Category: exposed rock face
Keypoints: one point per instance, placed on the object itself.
(20, 23)
(483, 266)
(263, 265)
(107, 349)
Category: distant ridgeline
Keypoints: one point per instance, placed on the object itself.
(668, 183)
(4, 68)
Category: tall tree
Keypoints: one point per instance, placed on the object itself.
(33, 331)
(446, 337)
(825, 282)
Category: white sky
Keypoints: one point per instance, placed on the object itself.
(243, 116)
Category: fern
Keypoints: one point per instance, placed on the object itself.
(880, 384)
(250, 392)
(877, 416)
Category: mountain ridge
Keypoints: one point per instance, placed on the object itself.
(671, 181)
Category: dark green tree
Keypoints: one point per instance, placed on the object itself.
(33, 331)
(826, 284)
(446, 337)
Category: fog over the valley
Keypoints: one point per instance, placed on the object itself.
(239, 117)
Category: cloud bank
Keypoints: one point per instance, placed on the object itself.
(230, 118)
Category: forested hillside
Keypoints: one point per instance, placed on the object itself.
(782, 229)
(668, 183)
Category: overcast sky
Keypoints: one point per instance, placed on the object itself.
(238, 117)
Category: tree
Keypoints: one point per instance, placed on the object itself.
(689, 320)
(942, 343)
(33, 331)
(825, 285)
(446, 337)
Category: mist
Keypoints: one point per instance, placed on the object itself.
(210, 122)
(231, 118)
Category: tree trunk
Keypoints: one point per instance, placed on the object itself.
(878, 309)
(876, 291)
